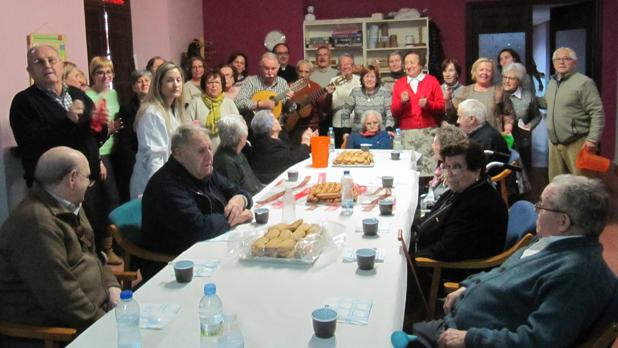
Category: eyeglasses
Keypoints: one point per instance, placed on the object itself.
(509, 78)
(369, 123)
(90, 181)
(538, 207)
(454, 169)
(44, 61)
(282, 53)
(103, 72)
(563, 59)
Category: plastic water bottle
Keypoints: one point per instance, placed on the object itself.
(231, 336)
(211, 314)
(331, 135)
(347, 193)
(397, 140)
(413, 160)
(127, 321)
(289, 203)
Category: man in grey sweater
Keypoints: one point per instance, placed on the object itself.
(575, 116)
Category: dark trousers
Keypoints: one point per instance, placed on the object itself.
(427, 333)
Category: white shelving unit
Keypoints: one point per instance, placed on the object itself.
(400, 32)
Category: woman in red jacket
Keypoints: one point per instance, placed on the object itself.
(418, 105)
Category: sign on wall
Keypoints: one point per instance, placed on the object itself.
(54, 40)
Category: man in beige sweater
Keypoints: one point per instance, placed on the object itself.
(49, 272)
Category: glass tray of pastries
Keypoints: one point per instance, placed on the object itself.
(329, 193)
(355, 158)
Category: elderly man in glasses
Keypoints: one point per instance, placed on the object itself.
(49, 272)
(575, 117)
(546, 295)
(49, 113)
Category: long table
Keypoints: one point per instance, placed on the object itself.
(274, 301)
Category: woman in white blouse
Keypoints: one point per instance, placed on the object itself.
(155, 123)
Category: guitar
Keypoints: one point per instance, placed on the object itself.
(277, 98)
(306, 102)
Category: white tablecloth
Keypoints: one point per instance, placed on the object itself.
(274, 301)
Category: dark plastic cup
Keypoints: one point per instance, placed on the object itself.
(183, 271)
(324, 322)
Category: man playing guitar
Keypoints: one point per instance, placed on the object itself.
(266, 80)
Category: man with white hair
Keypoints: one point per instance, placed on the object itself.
(575, 117)
(49, 113)
(187, 201)
(266, 80)
(471, 117)
(549, 294)
(49, 272)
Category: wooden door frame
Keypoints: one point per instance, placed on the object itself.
(597, 29)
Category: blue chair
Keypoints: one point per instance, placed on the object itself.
(126, 223)
(522, 219)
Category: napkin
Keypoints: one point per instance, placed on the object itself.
(157, 316)
(349, 255)
(352, 311)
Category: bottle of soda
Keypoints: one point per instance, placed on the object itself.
(347, 193)
(211, 313)
(127, 321)
(331, 135)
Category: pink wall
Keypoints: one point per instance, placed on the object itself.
(164, 28)
(252, 20)
(17, 20)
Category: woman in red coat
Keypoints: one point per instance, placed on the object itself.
(418, 105)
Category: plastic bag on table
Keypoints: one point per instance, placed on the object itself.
(300, 242)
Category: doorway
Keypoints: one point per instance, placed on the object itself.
(109, 33)
(535, 29)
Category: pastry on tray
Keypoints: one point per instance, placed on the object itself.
(328, 192)
(352, 158)
(281, 240)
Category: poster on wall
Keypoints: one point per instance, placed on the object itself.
(54, 40)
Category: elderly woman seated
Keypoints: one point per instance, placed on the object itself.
(371, 133)
(467, 222)
(229, 160)
(445, 136)
(271, 155)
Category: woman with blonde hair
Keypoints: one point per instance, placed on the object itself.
(156, 121)
(499, 109)
(105, 97)
(73, 76)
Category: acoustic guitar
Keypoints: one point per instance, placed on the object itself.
(306, 101)
(265, 95)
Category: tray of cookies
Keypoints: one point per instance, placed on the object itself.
(354, 159)
(328, 192)
(298, 242)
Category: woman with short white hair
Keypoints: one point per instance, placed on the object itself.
(371, 133)
(527, 114)
(229, 159)
(272, 155)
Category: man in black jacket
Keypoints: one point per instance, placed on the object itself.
(48, 114)
(186, 201)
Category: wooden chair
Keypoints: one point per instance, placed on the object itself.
(52, 336)
(126, 222)
(501, 180)
(49, 335)
(488, 262)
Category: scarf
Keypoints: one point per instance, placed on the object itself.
(214, 105)
(367, 134)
